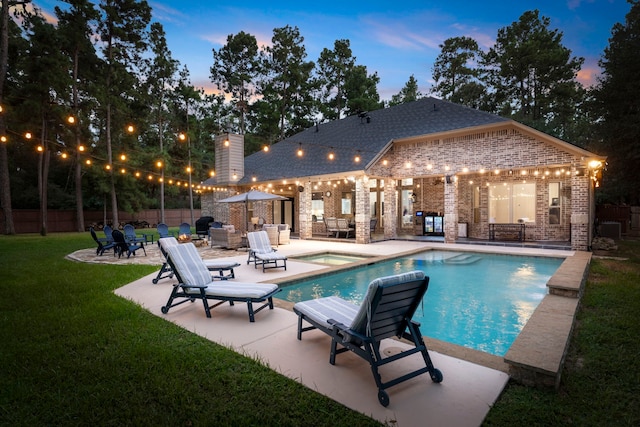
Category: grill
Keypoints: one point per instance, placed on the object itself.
(202, 225)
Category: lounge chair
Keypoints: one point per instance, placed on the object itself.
(103, 243)
(386, 311)
(223, 268)
(194, 282)
(261, 251)
(123, 247)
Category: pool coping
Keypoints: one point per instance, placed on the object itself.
(537, 356)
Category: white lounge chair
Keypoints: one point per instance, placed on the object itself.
(195, 282)
(261, 251)
(219, 266)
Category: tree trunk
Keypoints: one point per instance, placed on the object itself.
(79, 201)
(114, 199)
(76, 132)
(5, 183)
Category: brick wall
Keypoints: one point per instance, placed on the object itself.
(508, 150)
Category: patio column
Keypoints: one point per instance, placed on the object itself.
(363, 210)
(305, 224)
(450, 209)
(390, 209)
(581, 201)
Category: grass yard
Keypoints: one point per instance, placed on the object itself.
(73, 353)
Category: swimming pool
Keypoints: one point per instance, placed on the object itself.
(479, 301)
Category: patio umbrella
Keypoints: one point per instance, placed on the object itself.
(251, 196)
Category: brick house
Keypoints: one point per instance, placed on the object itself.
(425, 167)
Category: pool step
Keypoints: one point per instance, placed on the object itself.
(457, 259)
(463, 259)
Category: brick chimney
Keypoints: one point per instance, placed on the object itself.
(229, 152)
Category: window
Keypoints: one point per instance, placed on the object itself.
(373, 198)
(476, 205)
(317, 206)
(510, 203)
(346, 203)
(554, 203)
(407, 208)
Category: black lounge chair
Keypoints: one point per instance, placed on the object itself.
(386, 311)
(195, 282)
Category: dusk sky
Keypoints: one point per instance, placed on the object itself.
(396, 40)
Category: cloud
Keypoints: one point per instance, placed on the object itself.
(485, 41)
(398, 35)
(588, 76)
(575, 4)
(165, 13)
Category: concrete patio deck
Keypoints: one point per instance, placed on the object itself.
(462, 399)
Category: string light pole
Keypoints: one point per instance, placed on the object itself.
(183, 137)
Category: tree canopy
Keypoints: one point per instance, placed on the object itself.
(110, 67)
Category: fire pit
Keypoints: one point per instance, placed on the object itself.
(184, 238)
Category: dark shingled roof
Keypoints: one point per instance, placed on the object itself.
(359, 134)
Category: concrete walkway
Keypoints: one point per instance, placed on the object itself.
(462, 399)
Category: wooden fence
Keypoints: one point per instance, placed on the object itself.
(28, 220)
(614, 213)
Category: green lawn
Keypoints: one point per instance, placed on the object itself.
(73, 353)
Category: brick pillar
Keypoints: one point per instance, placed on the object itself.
(581, 200)
(451, 210)
(390, 209)
(363, 210)
(305, 224)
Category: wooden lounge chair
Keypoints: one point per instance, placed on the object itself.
(261, 251)
(386, 311)
(195, 282)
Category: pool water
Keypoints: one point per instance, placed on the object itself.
(331, 258)
(479, 301)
